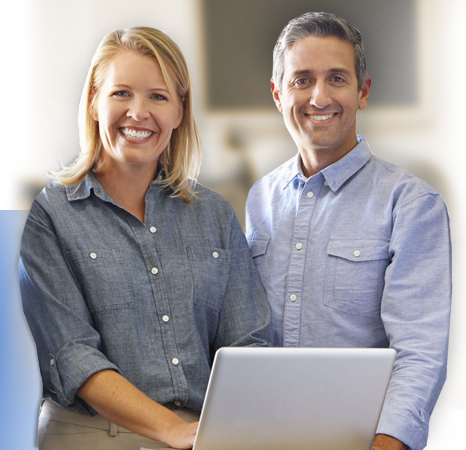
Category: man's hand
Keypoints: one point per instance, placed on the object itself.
(384, 442)
(182, 435)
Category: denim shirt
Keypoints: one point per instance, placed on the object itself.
(359, 255)
(152, 301)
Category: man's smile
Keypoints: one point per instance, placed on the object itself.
(320, 117)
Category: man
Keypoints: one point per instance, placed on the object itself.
(353, 251)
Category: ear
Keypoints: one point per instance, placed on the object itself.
(364, 93)
(276, 95)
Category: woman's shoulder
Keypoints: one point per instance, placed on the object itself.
(207, 194)
(207, 197)
(207, 204)
(51, 193)
(55, 199)
(56, 192)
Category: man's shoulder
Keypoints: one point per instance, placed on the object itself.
(404, 185)
(277, 178)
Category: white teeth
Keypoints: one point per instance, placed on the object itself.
(136, 134)
(321, 117)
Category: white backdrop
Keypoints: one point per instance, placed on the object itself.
(46, 49)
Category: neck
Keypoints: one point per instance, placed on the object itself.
(313, 160)
(128, 186)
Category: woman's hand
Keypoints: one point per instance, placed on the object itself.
(115, 398)
(182, 435)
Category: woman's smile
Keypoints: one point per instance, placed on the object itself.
(136, 135)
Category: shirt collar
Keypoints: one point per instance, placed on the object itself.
(337, 173)
(83, 190)
(296, 171)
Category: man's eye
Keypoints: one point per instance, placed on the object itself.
(121, 94)
(338, 79)
(302, 81)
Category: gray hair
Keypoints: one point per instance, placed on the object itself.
(319, 24)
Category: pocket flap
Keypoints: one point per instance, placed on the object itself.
(209, 253)
(359, 249)
(258, 247)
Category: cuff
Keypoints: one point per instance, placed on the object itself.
(407, 423)
(72, 366)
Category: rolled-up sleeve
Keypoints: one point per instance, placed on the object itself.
(245, 314)
(68, 345)
(415, 312)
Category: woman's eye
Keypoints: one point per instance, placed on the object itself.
(158, 97)
(121, 94)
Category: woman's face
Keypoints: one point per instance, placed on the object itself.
(135, 111)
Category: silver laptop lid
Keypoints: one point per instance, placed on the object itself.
(294, 398)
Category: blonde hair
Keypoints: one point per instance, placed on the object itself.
(182, 157)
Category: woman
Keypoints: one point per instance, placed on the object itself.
(131, 275)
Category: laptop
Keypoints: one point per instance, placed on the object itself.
(294, 398)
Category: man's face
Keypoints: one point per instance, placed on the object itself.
(319, 96)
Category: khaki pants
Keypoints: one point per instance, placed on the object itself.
(60, 429)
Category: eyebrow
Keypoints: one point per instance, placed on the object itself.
(127, 86)
(342, 71)
(331, 71)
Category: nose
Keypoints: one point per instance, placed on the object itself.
(320, 97)
(138, 109)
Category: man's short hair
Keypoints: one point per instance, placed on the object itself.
(319, 24)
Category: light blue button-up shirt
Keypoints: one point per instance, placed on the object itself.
(359, 255)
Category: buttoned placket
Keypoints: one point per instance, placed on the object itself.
(307, 193)
(147, 236)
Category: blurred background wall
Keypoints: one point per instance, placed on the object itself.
(415, 119)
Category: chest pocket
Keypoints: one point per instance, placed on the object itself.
(210, 268)
(104, 279)
(258, 248)
(354, 279)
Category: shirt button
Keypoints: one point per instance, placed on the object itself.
(177, 403)
(165, 318)
(215, 254)
(175, 361)
(325, 183)
(299, 246)
(152, 229)
(52, 362)
(356, 253)
(310, 194)
(154, 271)
(293, 297)
(93, 255)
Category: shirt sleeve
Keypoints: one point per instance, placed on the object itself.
(68, 346)
(245, 314)
(416, 312)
